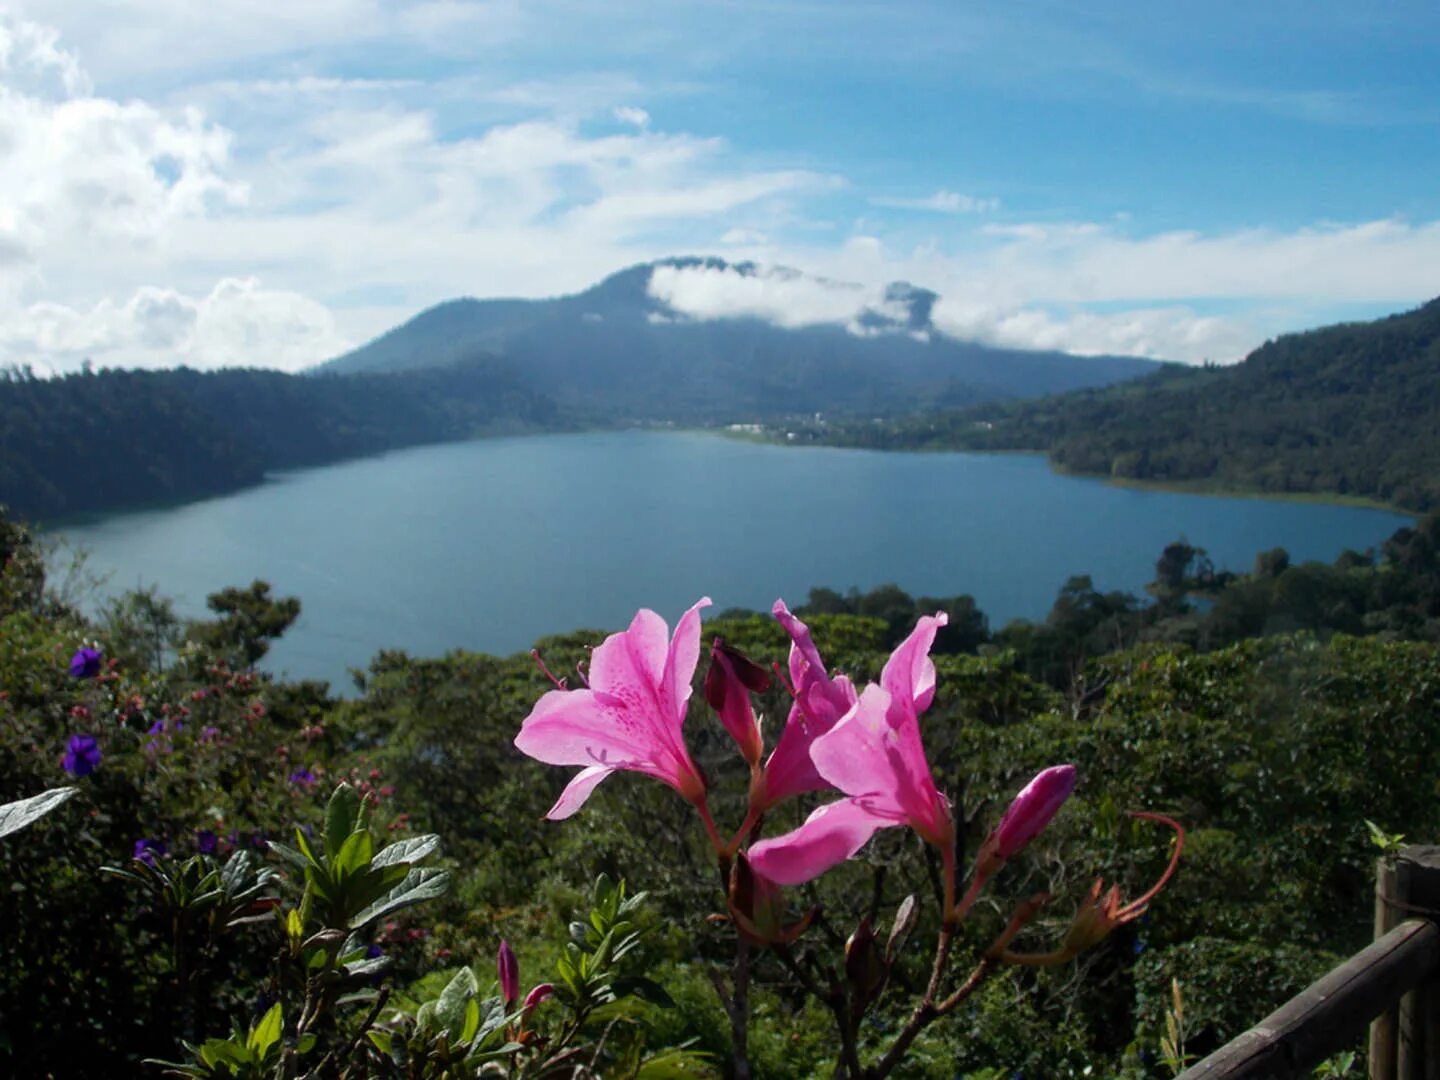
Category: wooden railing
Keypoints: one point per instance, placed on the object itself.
(1393, 986)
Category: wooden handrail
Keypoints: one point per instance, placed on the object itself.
(1394, 982)
(1332, 1013)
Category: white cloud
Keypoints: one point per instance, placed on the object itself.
(775, 295)
(629, 114)
(1169, 333)
(943, 202)
(238, 323)
(31, 57)
(744, 238)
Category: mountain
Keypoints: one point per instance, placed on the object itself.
(617, 351)
(1350, 410)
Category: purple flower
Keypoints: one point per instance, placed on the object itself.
(206, 842)
(146, 850)
(303, 777)
(157, 728)
(82, 755)
(208, 733)
(85, 664)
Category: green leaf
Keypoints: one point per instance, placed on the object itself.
(471, 1027)
(217, 1052)
(266, 1033)
(421, 883)
(368, 966)
(380, 1039)
(406, 851)
(16, 815)
(342, 817)
(312, 860)
(647, 990)
(492, 1019)
(450, 1008)
(355, 854)
(289, 855)
(676, 1064)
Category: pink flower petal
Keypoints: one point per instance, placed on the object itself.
(584, 727)
(577, 791)
(910, 671)
(859, 754)
(829, 836)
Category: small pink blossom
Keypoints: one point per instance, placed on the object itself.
(820, 702)
(629, 717)
(873, 755)
(536, 995)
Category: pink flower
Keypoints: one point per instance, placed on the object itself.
(820, 702)
(630, 716)
(1031, 811)
(728, 683)
(536, 995)
(508, 968)
(873, 755)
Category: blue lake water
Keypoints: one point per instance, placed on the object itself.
(489, 545)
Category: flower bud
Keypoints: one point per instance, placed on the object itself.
(508, 969)
(1033, 808)
(865, 967)
(757, 907)
(1027, 816)
(537, 995)
(728, 683)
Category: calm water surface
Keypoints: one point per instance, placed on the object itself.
(489, 545)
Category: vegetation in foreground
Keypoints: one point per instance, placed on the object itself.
(1272, 751)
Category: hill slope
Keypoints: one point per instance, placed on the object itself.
(111, 439)
(619, 352)
(1350, 410)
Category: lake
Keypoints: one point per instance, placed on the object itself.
(491, 544)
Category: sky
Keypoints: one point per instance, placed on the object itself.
(271, 182)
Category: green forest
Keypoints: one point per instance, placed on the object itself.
(1350, 410)
(102, 440)
(172, 901)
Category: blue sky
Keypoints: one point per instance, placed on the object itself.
(271, 182)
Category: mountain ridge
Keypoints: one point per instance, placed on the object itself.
(618, 350)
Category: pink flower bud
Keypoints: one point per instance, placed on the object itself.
(1033, 808)
(509, 970)
(537, 995)
(728, 683)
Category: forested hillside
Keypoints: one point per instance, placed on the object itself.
(110, 439)
(1348, 410)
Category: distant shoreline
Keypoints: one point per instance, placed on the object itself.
(764, 437)
(1202, 487)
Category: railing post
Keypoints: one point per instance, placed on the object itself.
(1384, 1029)
(1417, 893)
